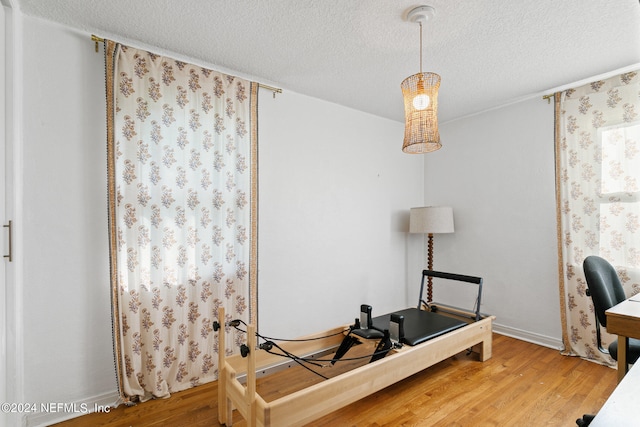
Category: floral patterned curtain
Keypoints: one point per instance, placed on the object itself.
(182, 214)
(598, 155)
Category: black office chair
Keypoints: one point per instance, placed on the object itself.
(605, 290)
(585, 420)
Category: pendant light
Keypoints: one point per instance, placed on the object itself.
(420, 93)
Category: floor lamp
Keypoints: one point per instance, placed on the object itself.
(431, 220)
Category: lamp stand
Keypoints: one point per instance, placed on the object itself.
(430, 220)
(430, 267)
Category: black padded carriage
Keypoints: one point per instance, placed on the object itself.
(419, 325)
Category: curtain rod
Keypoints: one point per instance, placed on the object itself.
(275, 90)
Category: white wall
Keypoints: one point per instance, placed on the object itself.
(496, 170)
(334, 196)
(65, 286)
(335, 189)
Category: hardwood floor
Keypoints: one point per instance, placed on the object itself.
(521, 385)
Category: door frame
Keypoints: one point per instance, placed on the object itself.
(11, 292)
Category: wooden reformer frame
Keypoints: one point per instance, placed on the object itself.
(314, 402)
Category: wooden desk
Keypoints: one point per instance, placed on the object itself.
(622, 408)
(624, 320)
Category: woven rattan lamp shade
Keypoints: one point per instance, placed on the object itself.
(421, 125)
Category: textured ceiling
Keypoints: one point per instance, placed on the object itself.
(356, 52)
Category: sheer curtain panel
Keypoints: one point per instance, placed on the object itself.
(598, 155)
(182, 156)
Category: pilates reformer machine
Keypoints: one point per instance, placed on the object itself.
(408, 341)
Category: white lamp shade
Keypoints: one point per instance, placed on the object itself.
(431, 219)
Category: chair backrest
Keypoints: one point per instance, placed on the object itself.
(604, 285)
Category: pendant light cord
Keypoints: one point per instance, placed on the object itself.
(420, 47)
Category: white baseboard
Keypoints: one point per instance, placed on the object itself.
(543, 340)
(55, 412)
